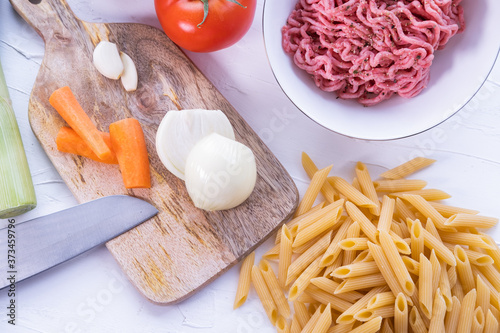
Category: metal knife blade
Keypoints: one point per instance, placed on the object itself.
(47, 241)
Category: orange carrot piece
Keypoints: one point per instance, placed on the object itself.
(70, 110)
(68, 141)
(127, 139)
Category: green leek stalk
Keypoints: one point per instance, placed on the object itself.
(17, 194)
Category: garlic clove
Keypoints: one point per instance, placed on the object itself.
(220, 173)
(107, 60)
(179, 131)
(129, 75)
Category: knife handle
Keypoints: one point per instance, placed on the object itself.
(52, 19)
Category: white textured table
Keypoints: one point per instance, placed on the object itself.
(91, 294)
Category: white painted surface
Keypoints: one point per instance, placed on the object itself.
(91, 294)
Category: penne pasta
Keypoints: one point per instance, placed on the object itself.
(264, 295)
(370, 326)
(399, 185)
(366, 186)
(397, 263)
(412, 266)
(416, 240)
(426, 209)
(451, 318)
(407, 168)
(282, 325)
(477, 321)
(464, 269)
(368, 314)
(475, 257)
(403, 211)
(386, 214)
(386, 326)
(284, 256)
(429, 195)
(314, 217)
(274, 288)
(306, 258)
(416, 322)
(363, 256)
(425, 288)
(452, 275)
(341, 328)
(405, 231)
(313, 214)
(309, 327)
(360, 282)
(491, 274)
(324, 297)
(401, 314)
(347, 316)
(493, 251)
(312, 191)
(324, 320)
(438, 312)
(483, 294)
(384, 267)
(244, 280)
(441, 250)
(458, 291)
(380, 300)
(436, 271)
(491, 324)
(332, 252)
(444, 286)
(301, 313)
(365, 224)
(311, 168)
(356, 269)
(354, 244)
(351, 193)
(448, 211)
(352, 232)
(329, 286)
(317, 228)
(470, 220)
(273, 253)
(304, 279)
(468, 239)
(295, 325)
(467, 312)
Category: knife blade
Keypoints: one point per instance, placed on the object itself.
(44, 242)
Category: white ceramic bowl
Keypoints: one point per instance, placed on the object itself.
(457, 73)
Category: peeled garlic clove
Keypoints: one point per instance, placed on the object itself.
(220, 173)
(179, 131)
(129, 75)
(107, 60)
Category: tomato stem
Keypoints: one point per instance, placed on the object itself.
(205, 10)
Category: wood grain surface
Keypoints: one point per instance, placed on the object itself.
(180, 250)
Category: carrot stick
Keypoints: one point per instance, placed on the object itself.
(127, 139)
(69, 142)
(70, 110)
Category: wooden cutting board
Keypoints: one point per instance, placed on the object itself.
(183, 248)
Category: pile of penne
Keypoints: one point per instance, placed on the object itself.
(379, 255)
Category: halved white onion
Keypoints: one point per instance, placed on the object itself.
(179, 131)
(220, 173)
(107, 60)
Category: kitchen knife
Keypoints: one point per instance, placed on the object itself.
(34, 246)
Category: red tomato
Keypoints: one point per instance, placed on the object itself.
(225, 24)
